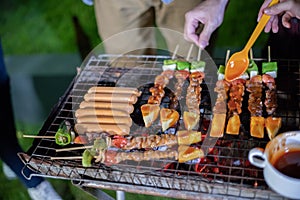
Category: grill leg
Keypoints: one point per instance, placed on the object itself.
(97, 193)
(120, 195)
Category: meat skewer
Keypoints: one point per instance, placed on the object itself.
(182, 137)
(183, 69)
(182, 73)
(270, 100)
(113, 157)
(193, 100)
(236, 93)
(182, 154)
(255, 107)
(220, 108)
(181, 76)
(193, 96)
(272, 123)
(151, 110)
(269, 70)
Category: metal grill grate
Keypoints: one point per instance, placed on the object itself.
(225, 171)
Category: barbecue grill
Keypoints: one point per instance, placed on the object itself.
(225, 172)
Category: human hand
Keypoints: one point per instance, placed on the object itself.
(288, 9)
(211, 14)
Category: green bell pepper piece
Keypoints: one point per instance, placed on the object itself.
(252, 69)
(87, 158)
(269, 67)
(62, 136)
(183, 65)
(221, 69)
(221, 72)
(170, 62)
(252, 66)
(169, 65)
(195, 65)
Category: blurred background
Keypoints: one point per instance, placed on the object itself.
(43, 43)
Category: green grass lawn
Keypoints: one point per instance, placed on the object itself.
(33, 27)
(41, 27)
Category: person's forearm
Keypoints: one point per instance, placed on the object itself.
(223, 2)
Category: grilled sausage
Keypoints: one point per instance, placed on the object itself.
(115, 90)
(113, 129)
(112, 97)
(105, 120)
(100, 112)
(107, 105)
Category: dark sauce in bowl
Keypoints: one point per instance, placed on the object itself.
(288, 163)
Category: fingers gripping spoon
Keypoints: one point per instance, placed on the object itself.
(238, 62)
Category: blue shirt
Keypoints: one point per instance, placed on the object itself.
(90, 2)
(166, 1)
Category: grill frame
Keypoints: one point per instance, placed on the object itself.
(144, 179)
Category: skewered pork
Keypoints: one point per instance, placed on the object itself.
(193, 100)
(272, 123)
(182, 137)
(236, 93)
(220, 109)
(255, 107)
(182, 154)
(150, 111)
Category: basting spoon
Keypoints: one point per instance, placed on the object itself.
(239, 61)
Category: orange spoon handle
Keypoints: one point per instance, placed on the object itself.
(259, 27)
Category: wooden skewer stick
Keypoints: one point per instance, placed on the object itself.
(227, 56)
(199, 54)
(269, 54)
(67, 158)
(74, 148)
(175, 51)
(251, 54)
(189, 52)
(39, 136)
